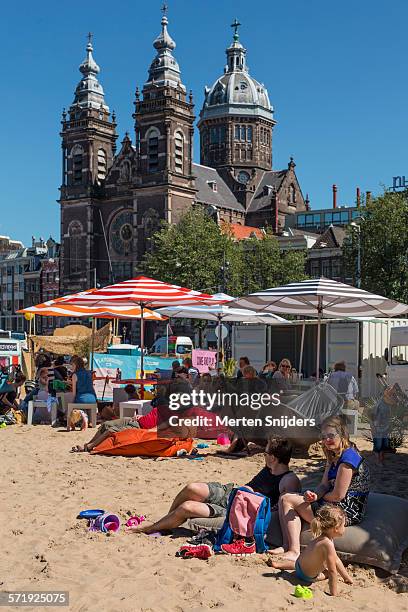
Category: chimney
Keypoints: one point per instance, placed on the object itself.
(368, 197)
(358, 197)
(334, 196)
(307, 202)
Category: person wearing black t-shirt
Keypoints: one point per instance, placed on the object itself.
(210, 499)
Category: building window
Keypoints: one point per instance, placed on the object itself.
(336, 268)
(102, 165)
(153, 151)
(75, 231)
(326, 268)
(243, 133)
(217, 134)
(77, 164)
(179, 152)
(314, 269)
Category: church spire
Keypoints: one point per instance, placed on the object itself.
(164, 70)
(89, 92)
(236, 52)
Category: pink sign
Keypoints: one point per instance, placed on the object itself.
(204, 360)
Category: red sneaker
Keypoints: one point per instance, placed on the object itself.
(203, 551)
(239, 547)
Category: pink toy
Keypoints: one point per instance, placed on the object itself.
(223, 440)
(134, 521)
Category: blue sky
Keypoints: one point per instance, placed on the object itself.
(335, 72)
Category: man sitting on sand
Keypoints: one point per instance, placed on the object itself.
(210, 499)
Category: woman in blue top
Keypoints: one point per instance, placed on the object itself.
(345, 483)
(82, 385)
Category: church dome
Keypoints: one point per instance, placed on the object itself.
(236, 92)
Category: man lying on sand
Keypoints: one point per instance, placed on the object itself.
(210, 499)
(109, 428)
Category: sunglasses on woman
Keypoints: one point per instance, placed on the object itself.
(329, 436)
(285, 366)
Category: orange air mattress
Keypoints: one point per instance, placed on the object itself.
(141, 443)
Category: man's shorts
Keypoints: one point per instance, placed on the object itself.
(217, 499)
(118, 425)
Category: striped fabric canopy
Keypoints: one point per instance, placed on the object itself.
(56, 308)
(321, 297)
(143, 291)
(221, 312)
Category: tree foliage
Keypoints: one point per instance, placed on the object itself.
(383, 239)
(195, 253)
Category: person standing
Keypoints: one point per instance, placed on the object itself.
(345, 384)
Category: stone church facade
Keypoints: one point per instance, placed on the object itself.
(113, 199)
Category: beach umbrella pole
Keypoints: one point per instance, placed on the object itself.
(302, 344)
(319, 317)
(141, 350)
(218, 342)
(92, 342)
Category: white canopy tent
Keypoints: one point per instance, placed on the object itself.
(221, 313)
(321, 298)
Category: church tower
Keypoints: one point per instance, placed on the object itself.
(236, 124)
(164, 129)
(88, 147)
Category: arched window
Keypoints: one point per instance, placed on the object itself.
(153, 150)
(75, 231)
(77, 154)
(179, 152)
(102, 165)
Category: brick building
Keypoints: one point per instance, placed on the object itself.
(23, 283)
(113, 200)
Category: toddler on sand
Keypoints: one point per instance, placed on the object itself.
(78, 417)
(319, 560)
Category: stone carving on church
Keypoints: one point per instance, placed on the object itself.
(125, 171)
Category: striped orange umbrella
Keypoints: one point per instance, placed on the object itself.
(56, 308)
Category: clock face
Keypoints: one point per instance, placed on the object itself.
(121, 233)
(243, 177)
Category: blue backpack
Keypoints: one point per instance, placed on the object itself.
(248, 514)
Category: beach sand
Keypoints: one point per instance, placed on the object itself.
(45, 547)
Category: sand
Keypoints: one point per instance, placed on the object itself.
(45, 547)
